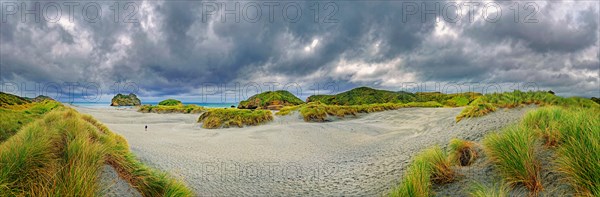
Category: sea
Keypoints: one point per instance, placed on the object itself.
(107, 104)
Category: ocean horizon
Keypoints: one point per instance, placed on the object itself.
(107, 104)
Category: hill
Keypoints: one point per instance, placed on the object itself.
(170, 102)
(125, 100)
(274, 100)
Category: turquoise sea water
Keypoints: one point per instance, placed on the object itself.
(107, 104)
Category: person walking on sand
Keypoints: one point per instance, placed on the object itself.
(146, 128)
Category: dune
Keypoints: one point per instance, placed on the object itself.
(354, 156)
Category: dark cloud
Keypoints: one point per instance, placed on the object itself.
(174, 51)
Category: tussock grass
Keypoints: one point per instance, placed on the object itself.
(62, 153)
(287, 110)
(462, 152)
(513, 152)
(416, 181)
(19, 114)
(489, 102)
(163, 109)
(495, 190)
(318, 112)
(431, 165)
(217, 118)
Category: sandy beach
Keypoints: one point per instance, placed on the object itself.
(353, 157)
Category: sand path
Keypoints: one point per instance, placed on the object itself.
(356, 156)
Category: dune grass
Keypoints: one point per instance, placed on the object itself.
(430, 166)
(19, 114)
(62, 153)
(575, 132)
(490, 102)
(217, 118)
(513, 152)
(318, 112)
(495, 190)
(462, 152)
(163, 109)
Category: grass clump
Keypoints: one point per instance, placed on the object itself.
(416, 181)
(513, 153)
(164, 109)
(462, 152)
(217, 118)
(431, 165)
(495, 190)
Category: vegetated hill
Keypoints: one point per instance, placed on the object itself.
(15, 112)
(597, 100)
(364, 95)
(125, 100)
(273, 100)
(170, 102)
(41, 98)
(9, 99)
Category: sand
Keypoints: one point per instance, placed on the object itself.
(355, 156)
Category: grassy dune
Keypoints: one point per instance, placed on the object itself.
(18, 113)
(217, 118)
(61, 154)
(571, 133)
(186, 109)
(318, 112)
(491, 102)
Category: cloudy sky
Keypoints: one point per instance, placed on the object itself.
(192, 49)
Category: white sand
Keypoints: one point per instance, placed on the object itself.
(355, 156)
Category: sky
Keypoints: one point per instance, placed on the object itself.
(226, 51)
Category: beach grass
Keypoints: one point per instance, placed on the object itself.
(19, 114)
(61, 154)
(318, 112)
(218, 118)
(490, 102)
(513, 152)
(462, 152)
(430, 166)
(498, 189)
(163, 109)
(416, 181)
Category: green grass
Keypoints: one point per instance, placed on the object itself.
(462, 152)
(431, 165)
(61, 154)
(277, 99)
(16, 116)
(494, 190)
(318, 112)
(513, 152)
(170, 102)
(217, 118)
(490, 102)
(186, 109)
(575, 132)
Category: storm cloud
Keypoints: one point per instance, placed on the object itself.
(175, 48)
